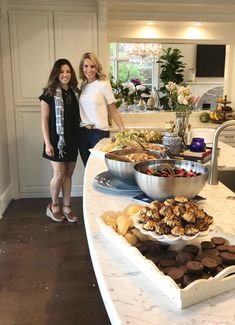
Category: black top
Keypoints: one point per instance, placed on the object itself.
(71, 126)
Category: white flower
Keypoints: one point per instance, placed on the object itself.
(130, 86)
(181, 95)
(140, 87)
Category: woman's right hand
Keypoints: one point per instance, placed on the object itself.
(49, 150)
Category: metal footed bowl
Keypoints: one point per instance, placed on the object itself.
(161, 188)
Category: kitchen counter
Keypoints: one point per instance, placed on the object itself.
(157, 119)
(129, 296)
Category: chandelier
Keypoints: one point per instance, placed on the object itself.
(143, 52)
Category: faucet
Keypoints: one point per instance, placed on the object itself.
(213, 176)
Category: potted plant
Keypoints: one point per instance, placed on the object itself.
(172, 69)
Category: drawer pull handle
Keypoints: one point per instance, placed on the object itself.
(229, 136)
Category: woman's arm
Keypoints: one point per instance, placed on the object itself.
(45, 112)
(116, 116)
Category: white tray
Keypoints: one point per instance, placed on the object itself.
(195, 292)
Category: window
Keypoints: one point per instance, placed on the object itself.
(123, 69)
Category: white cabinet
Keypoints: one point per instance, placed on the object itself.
(228, 136)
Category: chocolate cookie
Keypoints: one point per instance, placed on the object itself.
(218, 240)
(222, 248)
(166, 262)
(176, 274)
(210, 264)
(231, 249)
(206, 244)
(194, 267)
(183, 257)
(211, 252)
(228, 258)
(193, 249)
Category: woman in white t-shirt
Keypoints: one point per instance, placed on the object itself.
(96, 103)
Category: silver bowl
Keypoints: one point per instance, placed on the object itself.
(122, 169)
(161, 188)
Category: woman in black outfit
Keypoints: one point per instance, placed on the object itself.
(60, 127)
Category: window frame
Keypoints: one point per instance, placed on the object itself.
(115, 59)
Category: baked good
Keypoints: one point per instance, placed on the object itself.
(194, 267)
(193, 249)
(231, 249)
(228, 258)
(166, 262)
(206, 244)
(222, 248)
(176, 274)
(218, 240)
(183, 257)
(210, 264)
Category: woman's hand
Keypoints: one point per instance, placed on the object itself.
(49, 150)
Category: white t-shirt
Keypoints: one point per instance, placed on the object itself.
(93, 103)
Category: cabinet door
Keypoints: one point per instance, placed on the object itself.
(75, 34)
(228, 136)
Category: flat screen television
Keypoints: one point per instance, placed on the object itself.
(210, 60)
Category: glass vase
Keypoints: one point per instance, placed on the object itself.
(181, 127)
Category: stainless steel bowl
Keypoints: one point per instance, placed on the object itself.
(161, 188)
(122, 169)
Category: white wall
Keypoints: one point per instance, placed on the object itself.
(4, 157)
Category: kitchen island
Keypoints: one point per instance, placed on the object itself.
(129, 296)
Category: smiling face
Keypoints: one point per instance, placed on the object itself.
(65, 76)
(89, 70)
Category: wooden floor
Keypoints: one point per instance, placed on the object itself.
(46, 276)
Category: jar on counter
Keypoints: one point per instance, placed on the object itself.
(197, 145)
(173, 142)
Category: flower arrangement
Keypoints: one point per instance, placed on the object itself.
(128, 91)
(180, 97)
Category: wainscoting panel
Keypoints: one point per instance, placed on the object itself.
(34, 171)
(32, 48)
(75, 34)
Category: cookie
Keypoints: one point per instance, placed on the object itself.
(176, 274)
(228, 258)
(218, 240)
(193, 249)
(166, 262)
(210, 264)
(206, 244)
(183, 258)
(194, 267)
(231, 249)
(222, 248)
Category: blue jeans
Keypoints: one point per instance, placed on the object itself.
(88, 139)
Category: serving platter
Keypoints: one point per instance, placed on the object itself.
(170, 239)
(195, 292)
(107, 181)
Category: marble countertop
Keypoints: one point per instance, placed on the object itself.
(129, 296)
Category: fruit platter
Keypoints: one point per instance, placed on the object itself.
(223, 112)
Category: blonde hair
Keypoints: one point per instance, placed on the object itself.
(99, 73)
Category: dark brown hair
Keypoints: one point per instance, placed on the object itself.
(53, 81)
